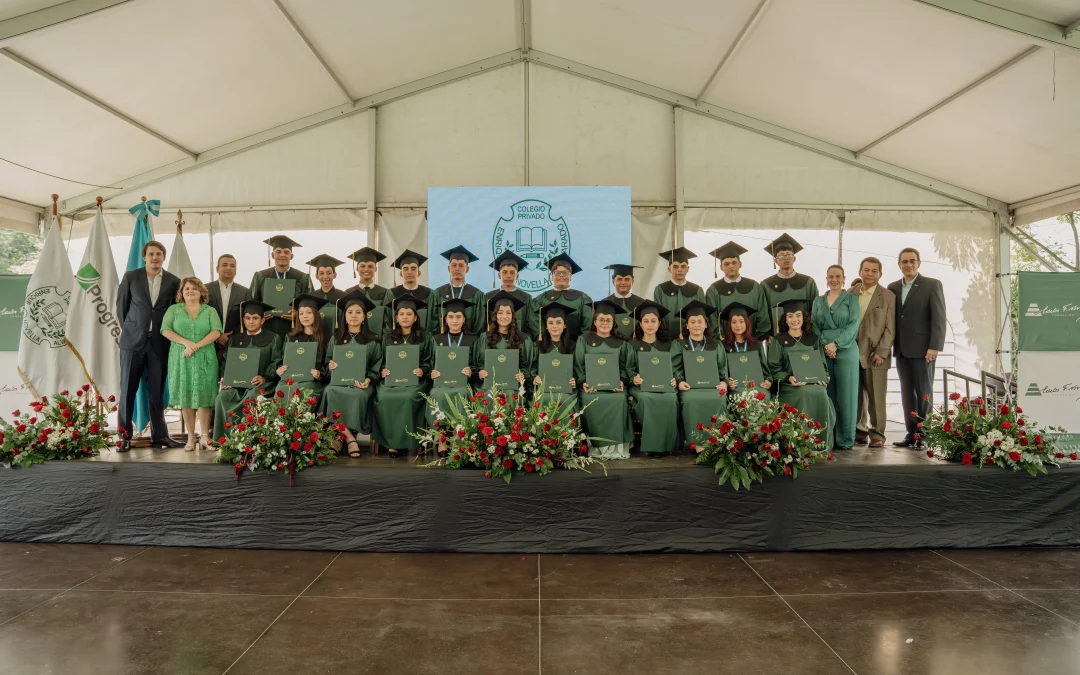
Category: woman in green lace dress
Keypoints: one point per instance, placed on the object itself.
(192, 326)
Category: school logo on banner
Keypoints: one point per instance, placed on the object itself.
(46, 316)
(1033, 310)
(533, 233)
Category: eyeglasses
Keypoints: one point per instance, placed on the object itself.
(910, 261)
(604, 319)
(560, 273)
(786, 256)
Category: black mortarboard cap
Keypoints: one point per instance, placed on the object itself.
(623, 270)
(355, 297)
(736, 309)
(409, 301)
(555, 310)
(324, 260)
(454, 305)
(254, 307)
(648, 306)
(794, 305)
(306, 300)
(508, 257)
(504, 298)
(565, 260)
(728, 250)
(407, 257)
(460, 253)
(784, 242)
(696, 308)
(680, 255)
(366, 254)
(607, 307)
(280, 241)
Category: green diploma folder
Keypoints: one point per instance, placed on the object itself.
(655, 370)
(450, 361)
(241, 367)
(806, 366)
(502, 368)
(556, 370)
(401, 361)
(602, 371)
(351, 362)
(701, 370)
(279, 294)
(300, 359)
(745, 367)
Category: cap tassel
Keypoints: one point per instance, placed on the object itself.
(714, 274)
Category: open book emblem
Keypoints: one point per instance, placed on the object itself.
(502, 358)
(556, 362)
(533, 232)
(805, 357)
(402, 354)
(279, 288)
(452, 355)
(699, 358)
(655, 361)
(300, 351)
(743, 359)
(602, 361)
(349, 354)
(243, 357)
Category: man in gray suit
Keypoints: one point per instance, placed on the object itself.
(920, 336)
(141, 301)
(877, 328)
(225, 297)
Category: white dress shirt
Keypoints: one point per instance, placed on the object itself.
(226, 295)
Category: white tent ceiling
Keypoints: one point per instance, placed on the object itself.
(130, 92)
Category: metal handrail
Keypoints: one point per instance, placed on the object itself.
(991, 386)
(968, 381)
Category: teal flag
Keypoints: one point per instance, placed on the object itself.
(142, 234)
(1049, 311)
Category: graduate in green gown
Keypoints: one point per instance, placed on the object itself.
(736, 288)
(698, 406)
(740, 342)
(607, 417)
(677, 293)
(836, 318)
(562, 268)
(554, 337)
(797, 337)
(622, 276)
(325, 274)
(459, 258)
(408, 265)
(456, 334)
(502, 333)
(786, 284)
(309, 328)
(506, 266)
(354, 401)
(656, 412)
(269, 345)
(281, 248)
(399, 411)
(367, 266)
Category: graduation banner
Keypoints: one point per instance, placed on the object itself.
(1049, 311)
(1048, 384)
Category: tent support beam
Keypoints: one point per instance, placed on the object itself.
(1016, 60)
(50, 16)
(523, 25)
(740, 40)
(1045, 33)
(1045, 249)
(314, 51)
(373, 143)
(1072, 28)
(90, 99)
(1011, 234)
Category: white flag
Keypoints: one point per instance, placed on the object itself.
(179, 260)
(46, 362)
(93, 328)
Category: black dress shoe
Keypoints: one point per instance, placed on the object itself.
(167, 442)
(906, 443)
(125, 446)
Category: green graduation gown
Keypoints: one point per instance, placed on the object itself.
(475, 313)
(658, 413)
(443, 394)
(779, 289)
(747, 291)
(379, 321)
(329, 310)
(314, 386)
(232, 400)
(812, 399)
(607, 416)
(428, 318)
(526, 356)
(576, 323)
(839, 324)
(624, 323)
(354, 403)
(520, 316)
(733, 353)
(673, 298)
(399, 411)
(303, 284)
(699, 405)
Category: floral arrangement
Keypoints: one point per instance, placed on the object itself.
(279, 433)
(759, 437)
(497, 432)
(975, 431)
(67, 427)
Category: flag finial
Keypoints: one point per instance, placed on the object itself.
(144, 200)
(99, 200)
(179, 221)
(54, 198)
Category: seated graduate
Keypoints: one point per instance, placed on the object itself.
(738, 330)
(455, 334)
(354, 401)
(657, 412)
(607, 417)
(399, 410)
(502, 333)
(308, 328)
(699, 405)
(555, 336)
(251, 335)
(796, 337)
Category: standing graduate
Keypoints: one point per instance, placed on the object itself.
(699, 405)
(502, 333)
(460, 258)
(354, 401)
(656, 412)
(607, 417)
(325, 274)
(786, 284)
(736, 288)
(408, 265)
(797, 338)
(562, 268)
(554, 337)
(399, 411)
(367, 265)
(739, 340)
(281, 250)
(622, 276)
(457, 334)
(309, 328)
(250, 335)
(507, 266)
(677, 293)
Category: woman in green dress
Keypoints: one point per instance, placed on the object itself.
(192, 326)
(700, 405)
(797, 338)
(554, 337)
(607, 416)
(657, 412)
(309, 329)
(836, 319)
(739, 339)
(503, 333)
(354, 401)
(455, 334)
(399, 411)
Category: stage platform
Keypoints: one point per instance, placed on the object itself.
(866, 499)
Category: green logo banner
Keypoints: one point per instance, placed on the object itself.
(12, 298)
(1049, 311)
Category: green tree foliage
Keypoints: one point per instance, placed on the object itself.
(16, 250)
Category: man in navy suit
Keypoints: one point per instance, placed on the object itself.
(920, 336)
(141, 301)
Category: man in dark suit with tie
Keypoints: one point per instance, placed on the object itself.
(141, 301)
(920, 336)
(225, 297)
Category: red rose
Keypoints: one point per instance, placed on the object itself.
(296, 435)
(929, 453)
(279, 394)
(1014, 456)
(312, 401)
(282, 428)
(830, 457)
(1072, 456)
(62, 404)
(241, 427)
(66, 414)
(965, 459)
(556, 421)
(539, 462)
(775, 454)
(500, 441)
(739, 444)
(296, 393)
(507, 464)
(1038, 438)
(1059, 455)
(990, 460)
(787, 471)
(221, 440)
(487, 474)
(1018, 410)
(112, 399)
(712, 439)
(295, 445)
(262, 420)
(1020, 422)
(955, 396)
(700, 426)
(759, 396)
(693, 447)
(528, 467)
(982, 411)
(314, 436)
(228, 425)
(742, 405)
(321, 457)
(311, 462)
(94, 428)
(1006, 425)
(249, 419)
(918, 437)
(307, 447)
(947, 428)
(1023, 442)
(515, 437)
(970, 428)
(290, 382)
